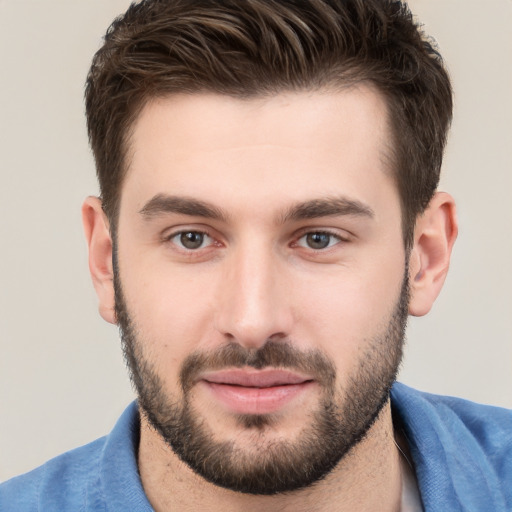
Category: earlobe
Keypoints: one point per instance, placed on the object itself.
(434, 236)
(99, 241)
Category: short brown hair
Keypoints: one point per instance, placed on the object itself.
(247, 48)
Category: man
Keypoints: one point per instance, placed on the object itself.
(268, 219)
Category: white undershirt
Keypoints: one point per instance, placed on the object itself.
(411, 501)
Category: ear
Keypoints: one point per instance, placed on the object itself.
(434, 235)
(97, 234)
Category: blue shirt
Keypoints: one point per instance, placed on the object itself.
(462, 454)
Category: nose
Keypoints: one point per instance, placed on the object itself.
(253, 300)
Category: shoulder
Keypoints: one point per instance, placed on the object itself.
(462, 450)
(490, 426)
(98, 476)
(61, 481)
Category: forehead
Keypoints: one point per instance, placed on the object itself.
(289, 114)
(296, 144)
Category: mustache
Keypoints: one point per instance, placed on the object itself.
(273, 354)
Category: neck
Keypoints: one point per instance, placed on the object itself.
(368, 478)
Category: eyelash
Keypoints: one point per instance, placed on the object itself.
(331, 234)
(169, 238)
(204, 233)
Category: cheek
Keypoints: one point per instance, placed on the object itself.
(172, 310)
(348, 311)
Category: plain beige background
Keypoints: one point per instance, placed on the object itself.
(62, 379)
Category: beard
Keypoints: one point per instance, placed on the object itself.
(343, 416)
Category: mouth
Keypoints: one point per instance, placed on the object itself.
(248, 391)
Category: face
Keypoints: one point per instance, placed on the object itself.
(261, 284)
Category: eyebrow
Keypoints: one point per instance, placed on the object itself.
(162, 204)
(328, 207)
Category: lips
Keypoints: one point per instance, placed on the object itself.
(255, 378)
(244, 391)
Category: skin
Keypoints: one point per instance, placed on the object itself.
(253, 162)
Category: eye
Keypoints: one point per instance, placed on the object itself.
(191, 240)
(318, 240)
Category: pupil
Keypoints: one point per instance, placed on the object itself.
(318, 240)
(192, 240)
